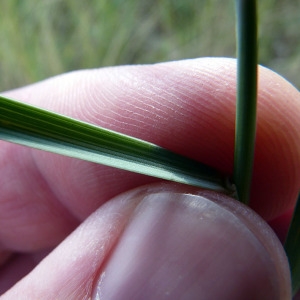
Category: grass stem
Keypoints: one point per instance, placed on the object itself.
(245, 127)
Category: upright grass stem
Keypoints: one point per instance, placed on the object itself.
(245, 127)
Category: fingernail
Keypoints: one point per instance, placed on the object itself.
(194, 246)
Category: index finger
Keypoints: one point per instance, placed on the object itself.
(187, 107)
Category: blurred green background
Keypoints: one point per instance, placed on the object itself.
(42, 38)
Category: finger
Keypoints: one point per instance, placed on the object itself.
(164, 242)
(187, 107)
(16, 267)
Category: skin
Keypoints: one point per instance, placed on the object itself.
(188, 107)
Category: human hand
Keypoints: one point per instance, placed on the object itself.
(157, 246)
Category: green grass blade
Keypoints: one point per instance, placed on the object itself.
(245, 127)
(292, 247)
(30, 126)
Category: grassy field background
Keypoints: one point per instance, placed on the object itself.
(42, 38)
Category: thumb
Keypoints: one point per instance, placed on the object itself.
(164, 242)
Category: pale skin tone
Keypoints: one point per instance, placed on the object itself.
(186, 106)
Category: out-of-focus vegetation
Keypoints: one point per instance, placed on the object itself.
(42, 38)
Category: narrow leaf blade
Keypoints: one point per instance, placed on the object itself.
(34, 127)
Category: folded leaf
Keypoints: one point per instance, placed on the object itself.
(34, 127)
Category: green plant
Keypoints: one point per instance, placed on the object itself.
(291, 247)
(48, 131)
(40, 39)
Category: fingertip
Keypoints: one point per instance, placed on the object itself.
(194, 245)
(185, 106)
(277, 154)
(161, 242)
